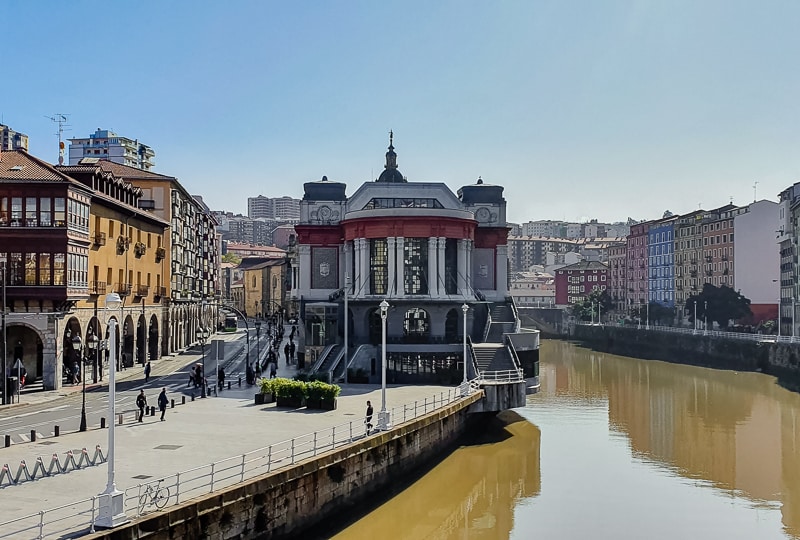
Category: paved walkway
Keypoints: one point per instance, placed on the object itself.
(194, 434)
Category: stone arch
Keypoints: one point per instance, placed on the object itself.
(25, 342)
(141, 339)
(451, 326)
(416, 326)
(127, 335)
(153, 338)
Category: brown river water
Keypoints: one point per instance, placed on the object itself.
(614, 447)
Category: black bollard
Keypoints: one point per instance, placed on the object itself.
(192, 397)
(33, 435)
(120, 419)
(103, 423)
(153, 410)
(240, 381)
(56, 431)
(229, 385)
(8, 441)
(172, 404)
(183, 400)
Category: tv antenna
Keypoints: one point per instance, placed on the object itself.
(61, 120)
(754, 190)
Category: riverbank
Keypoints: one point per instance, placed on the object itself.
(781, 360)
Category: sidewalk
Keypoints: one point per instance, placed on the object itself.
(193, 435)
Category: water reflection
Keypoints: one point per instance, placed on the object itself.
(736, 431)
(474, 493)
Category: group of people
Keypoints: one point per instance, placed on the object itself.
(141, 404)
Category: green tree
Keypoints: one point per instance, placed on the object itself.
(593, 306)
(231, 258)
(718, 304)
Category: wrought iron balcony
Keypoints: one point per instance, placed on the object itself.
(97, 287)
(139, 249)
(122, 289)
(99, 239)
(142, 290)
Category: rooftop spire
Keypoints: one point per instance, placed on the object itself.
(391, 174)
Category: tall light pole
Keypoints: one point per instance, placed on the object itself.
(258, 345)
(695, 314)
(384, 421)
(3, 375)
(464, 384)
(91, 345)
(112, 509)
(705, 317)
(202, 335)
(346, 323)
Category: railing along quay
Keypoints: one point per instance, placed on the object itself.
(746, 336)
(78, 518)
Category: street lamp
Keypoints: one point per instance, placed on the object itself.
(202, 336)
(112, 510)
(346, 324)
(258, 345)
(91, 345)
(464, 384)
(705, 317)
(384, 420)
(695, 316)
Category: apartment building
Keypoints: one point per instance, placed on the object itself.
(105, 144)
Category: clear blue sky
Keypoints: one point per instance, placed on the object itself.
(580, 109)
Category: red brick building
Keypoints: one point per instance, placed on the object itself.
(575, 282)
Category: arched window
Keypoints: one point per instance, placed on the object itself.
(451, 326)
(416, 326)
(374, 325)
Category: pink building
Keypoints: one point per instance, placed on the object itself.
(576, 281)
(636, 255)
(617, 266)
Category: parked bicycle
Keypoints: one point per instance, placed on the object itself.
(154, 496)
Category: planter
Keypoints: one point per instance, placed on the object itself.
(262, 399)
(322, 404)
(291, 402)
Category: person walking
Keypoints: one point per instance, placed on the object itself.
(141, 402)
(147, 371)
(368, 417)
(221, 377)
(162, 402)
(287, 353)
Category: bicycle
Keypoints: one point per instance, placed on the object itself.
(154, 496)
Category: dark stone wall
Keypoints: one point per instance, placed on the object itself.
(779, 359)
(286, 503)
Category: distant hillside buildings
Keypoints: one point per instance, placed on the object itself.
(274, 208)
(12, 140)
(105, 144)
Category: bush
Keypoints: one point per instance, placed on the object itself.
(288, 388)
(322, 390)
(267, 385)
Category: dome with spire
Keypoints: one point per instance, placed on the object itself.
(390, 174)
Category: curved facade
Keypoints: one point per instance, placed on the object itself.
(424, 249)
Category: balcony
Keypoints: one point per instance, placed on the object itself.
(122, 289)
(97, 288)
(693, 273)
(161, 253)
(142, 290)
(159, 293)
(123, 243)
(724, 257)
(139, 249)
(99, 239)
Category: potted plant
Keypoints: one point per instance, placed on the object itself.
(321, 395)
(267, 391)
(289, 393)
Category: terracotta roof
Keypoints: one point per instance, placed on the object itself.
(128, 172)
(18, 165)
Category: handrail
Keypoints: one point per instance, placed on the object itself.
(512, 351)
(508, 375)
(204, 479)
(514, 310)
(769, 338)
(321, 358)
(488, 323)
(472, 355)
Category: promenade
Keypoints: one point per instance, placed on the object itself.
(195, 434)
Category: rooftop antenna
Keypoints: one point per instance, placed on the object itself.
(61, 120)
(731, 199)
(754, 190)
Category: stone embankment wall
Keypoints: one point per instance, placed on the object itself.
(283, 504)
(779, 359)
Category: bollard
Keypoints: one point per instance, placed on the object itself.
(103, 423)
(8, 441)
(120, 419)
(172, 404)
(192, 397)
(56, 431)
(33, 435)
(183, 400)
(229, 385)
(153, 410)
(240, 381)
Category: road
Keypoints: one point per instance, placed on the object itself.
(172, 373)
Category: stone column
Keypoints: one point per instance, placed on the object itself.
(441, 279)
(433, 284)
(358, 278)
(304, 257)
(391, 266)
(401, 267)
(462, 266)
(341, 264)
(469, 270)
(365, 251)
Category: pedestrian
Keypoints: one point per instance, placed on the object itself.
(221, 377)
(368, 417)
(141, 402)
(287, 353)
(147, 371)
(162, 402)
(273, 370)
(76, 373)
(291, 351)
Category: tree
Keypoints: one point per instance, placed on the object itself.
(593, 306)
(231, 258)
(718, 304)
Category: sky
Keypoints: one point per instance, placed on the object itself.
(580, 109)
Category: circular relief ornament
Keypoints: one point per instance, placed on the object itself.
(483, 215)
(324, 212)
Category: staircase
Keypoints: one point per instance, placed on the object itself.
(330, 359)
(493, 357)
(503, 321)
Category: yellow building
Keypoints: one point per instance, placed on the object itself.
(263, 283)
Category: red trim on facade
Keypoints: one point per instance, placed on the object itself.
(408, 227)
(319, 235)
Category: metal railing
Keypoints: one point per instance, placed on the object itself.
(77, 518)
(506, 376)
(716, 333)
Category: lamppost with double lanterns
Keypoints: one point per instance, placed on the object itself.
(258, 345)
(202, 334)
(91, 345)
(464, 383)
(384, 420)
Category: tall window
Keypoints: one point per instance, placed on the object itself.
(45, 212)
(30, 212)
(16, 269)
(44, 269)
(16, 211)
(59, 268)
(59, 212)
(451, 266)
(416, 325)
(30, 269)
(378, 265)
(4, 211)
(416, 265)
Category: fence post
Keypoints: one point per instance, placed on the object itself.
(212, 478)
(333, 438)
(415, 408)
(269, 458)
(178, 488)
(57, 430)
(33, 435)
(351, 431)
(244, 456)
(41, 523)
(314, 449)
(94, 511)
(292, 451)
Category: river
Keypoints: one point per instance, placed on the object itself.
(614, 447)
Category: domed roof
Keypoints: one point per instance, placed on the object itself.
(390, 173)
